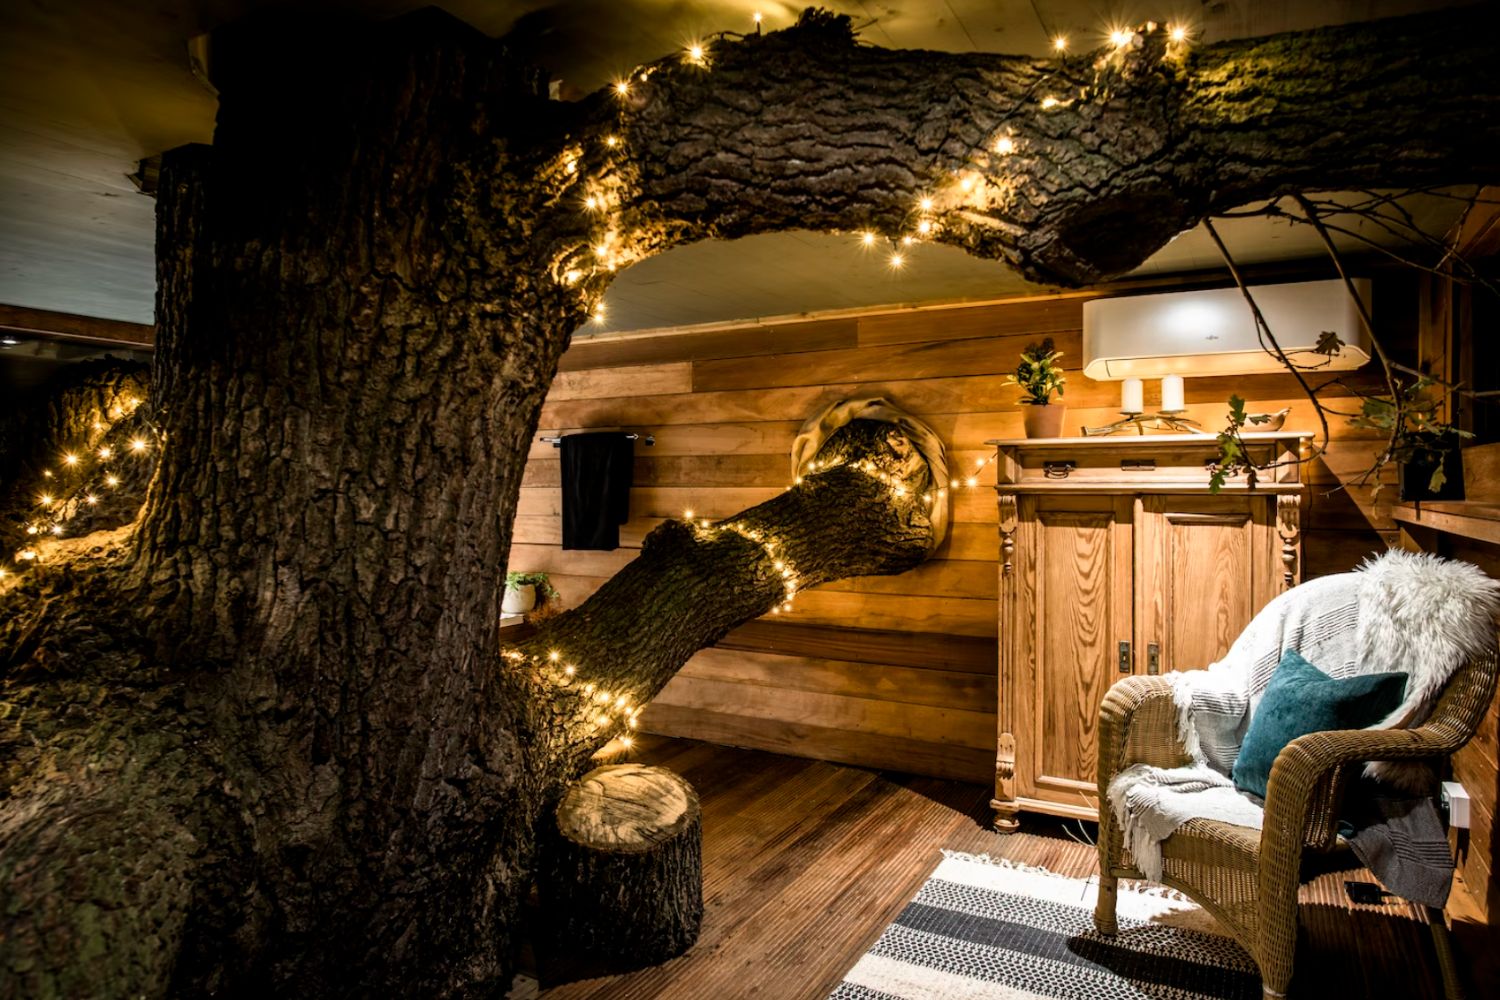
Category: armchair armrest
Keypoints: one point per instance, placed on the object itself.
(1303, 795)
(1138, 725)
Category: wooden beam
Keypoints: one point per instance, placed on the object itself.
(67, 326)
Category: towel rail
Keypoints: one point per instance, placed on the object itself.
(556, 442)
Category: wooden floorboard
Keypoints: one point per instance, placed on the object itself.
(806, 862)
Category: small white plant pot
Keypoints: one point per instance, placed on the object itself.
(518, 600)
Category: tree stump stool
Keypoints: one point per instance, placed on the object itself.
(620, 885)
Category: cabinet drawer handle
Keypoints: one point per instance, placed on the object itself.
(1125, 666)
(1153, 659)
(1058, 470)
(1137, 465)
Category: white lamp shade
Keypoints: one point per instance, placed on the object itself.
(1213, 332)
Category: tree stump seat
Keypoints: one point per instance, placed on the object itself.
(621, 880)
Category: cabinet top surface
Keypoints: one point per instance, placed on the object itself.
(1144, 440)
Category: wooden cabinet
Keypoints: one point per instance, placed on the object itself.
(1116, 559)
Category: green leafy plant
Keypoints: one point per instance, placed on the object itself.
(517, 579)
(1038, 375)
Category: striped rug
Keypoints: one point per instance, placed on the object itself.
(985, 930)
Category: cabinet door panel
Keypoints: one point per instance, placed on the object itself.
(1203, 566)
(1076, 566)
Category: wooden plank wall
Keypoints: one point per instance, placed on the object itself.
(890, 671)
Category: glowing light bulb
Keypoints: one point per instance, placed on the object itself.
(600, 250)
(924, 227)
(626, 742)
(137, 444)
(1005, 145)
(907, 241)
(896, 260)
(687, 515)
(106, 452)
(554, 655)
(591, 202)
(926, 204)
(1050, 102)
(572, 276)
(111, 480)
(756, 17)
(622, 87)
(599, 314)
(31, 529)
(966, 184)
(602, 721)
(57, 529)
(570, 670)
(971, 481)
(89, 498)
(69, 458)
(1178, 33)
(611, 141)
(46, 473)
(1060, 43)
(46, 499)
(695, 53)
(1121, 37)
(868, 239)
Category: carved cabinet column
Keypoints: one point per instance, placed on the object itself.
(1116, 559)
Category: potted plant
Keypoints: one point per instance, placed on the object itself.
(522, 589)
(1039, 376)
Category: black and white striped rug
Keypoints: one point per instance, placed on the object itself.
(985, 930)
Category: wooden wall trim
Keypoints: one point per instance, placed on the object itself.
(67, 326)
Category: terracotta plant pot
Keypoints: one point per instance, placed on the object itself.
(1044, 421)
(519, 600)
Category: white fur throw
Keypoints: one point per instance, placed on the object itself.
(1400, 611)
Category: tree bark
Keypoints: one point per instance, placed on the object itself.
(620, 878)
(264, 741)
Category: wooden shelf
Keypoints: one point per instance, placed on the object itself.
(1474, 519)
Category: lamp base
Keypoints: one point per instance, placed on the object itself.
(1166, 420)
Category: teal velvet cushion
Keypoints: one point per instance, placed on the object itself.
(1301, 699)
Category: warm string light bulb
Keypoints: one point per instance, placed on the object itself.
(137, 444)
(622, 87)
(896, 261)
(1178, 33)
(1121, 37)
(868, 239)
(1005, 145)
(1059, 43)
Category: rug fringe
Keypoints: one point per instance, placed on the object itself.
(1136, 886)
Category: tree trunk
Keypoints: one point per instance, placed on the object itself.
(620, 877)
(263, 742)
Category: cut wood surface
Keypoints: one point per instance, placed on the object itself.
(626, 807)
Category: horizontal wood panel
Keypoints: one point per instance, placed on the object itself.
(822, 743)
(738, 342)
(985, 356)
(960, 615)
(638, 380)
(773, 705)
(1036, 317)
(963, 690)
(925, 650)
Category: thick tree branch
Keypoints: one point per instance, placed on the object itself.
(1072, 170)
(868, 510)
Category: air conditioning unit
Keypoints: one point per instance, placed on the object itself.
(1213, 332)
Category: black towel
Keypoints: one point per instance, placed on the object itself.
(596, 474)
(1400, 838)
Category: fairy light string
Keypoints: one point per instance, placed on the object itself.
(80, 480)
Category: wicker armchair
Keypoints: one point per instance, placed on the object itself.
(1248, 879)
